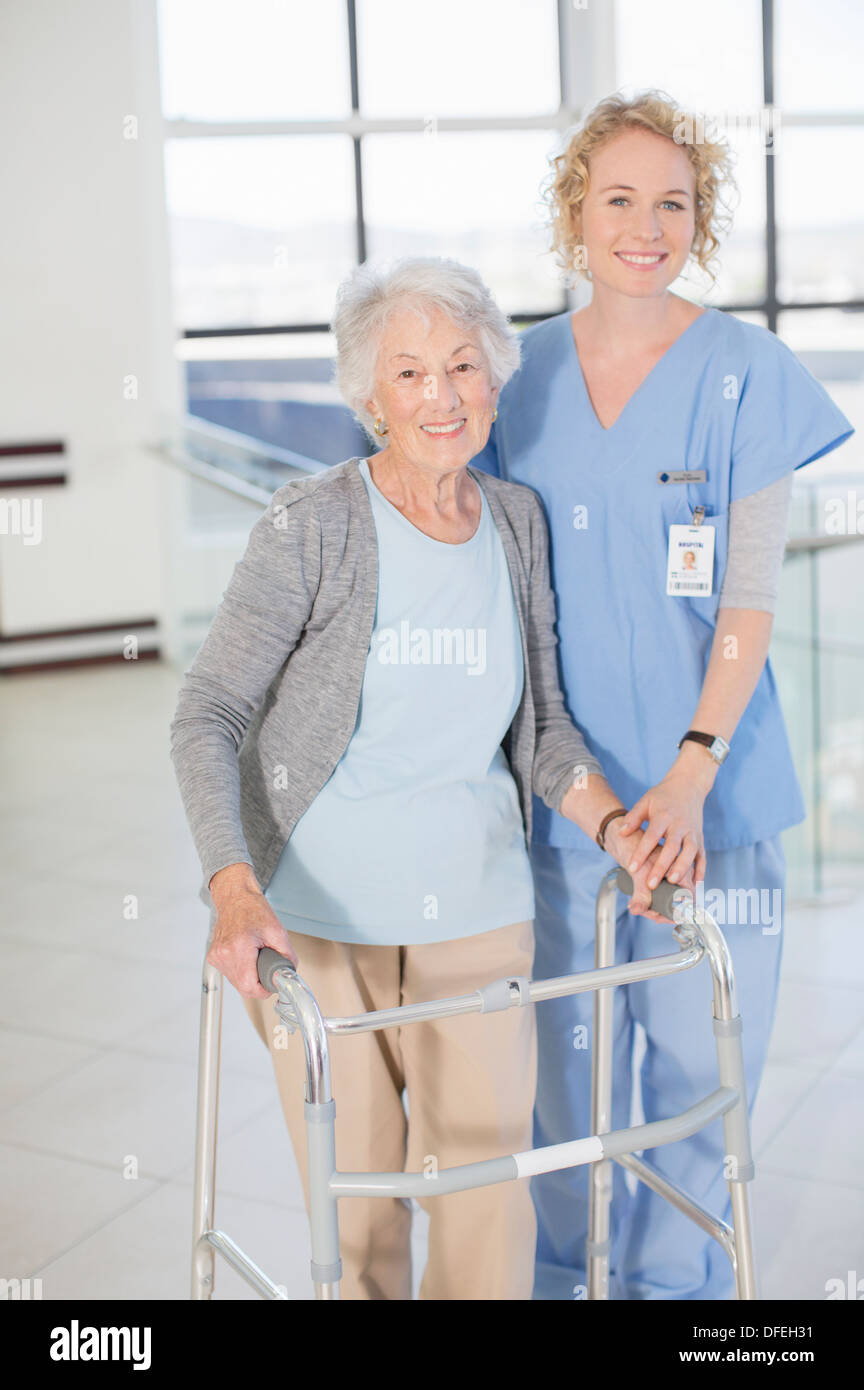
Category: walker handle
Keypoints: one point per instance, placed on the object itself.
(663, 897)
(268, 961)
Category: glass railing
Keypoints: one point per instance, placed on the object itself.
(817, 653)
(235, 462)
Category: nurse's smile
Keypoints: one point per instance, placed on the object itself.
(641, 261)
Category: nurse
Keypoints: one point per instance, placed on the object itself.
(661, 436)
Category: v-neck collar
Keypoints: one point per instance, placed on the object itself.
(607, 431)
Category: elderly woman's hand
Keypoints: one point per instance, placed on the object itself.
(245, 922)
(639, 902)
(621, 849)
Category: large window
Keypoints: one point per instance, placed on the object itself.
(302, 138)
(781, 81)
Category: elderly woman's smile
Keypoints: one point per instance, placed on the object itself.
(454, 427)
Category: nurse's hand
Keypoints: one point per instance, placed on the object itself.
(673, 810)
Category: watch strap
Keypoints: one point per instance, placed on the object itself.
(696, 737)
(716, 746)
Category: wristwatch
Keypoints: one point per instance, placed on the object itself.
(717, 746)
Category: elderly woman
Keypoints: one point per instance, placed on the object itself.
(357, 743)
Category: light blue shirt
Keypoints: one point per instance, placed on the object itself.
(418, 836)
(729, 398)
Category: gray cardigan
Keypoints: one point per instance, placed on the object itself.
(269, 704)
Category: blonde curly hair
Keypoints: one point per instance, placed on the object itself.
(710, 160)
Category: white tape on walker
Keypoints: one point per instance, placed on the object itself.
(558, 1156)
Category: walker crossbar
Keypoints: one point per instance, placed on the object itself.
(537, 991)
(549, 1159)
(662, 1185)
(698, 936)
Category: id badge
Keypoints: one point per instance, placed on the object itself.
(690, 565)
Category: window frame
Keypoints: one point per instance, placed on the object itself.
(586, 72)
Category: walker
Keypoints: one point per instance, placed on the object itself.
(697, 935)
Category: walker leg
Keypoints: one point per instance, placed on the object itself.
(324, 1224)
(746, 1283)
(600, 1177)
(297, 1005)
(203, 1259)
(740, 1168)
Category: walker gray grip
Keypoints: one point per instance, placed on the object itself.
(662, 899)
(268, 961)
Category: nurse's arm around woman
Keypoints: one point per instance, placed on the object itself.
(357, 744)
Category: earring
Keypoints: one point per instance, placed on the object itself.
(495, 415)
(385, 430)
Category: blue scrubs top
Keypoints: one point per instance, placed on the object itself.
(727, 397)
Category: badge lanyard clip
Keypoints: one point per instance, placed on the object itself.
(698, 515)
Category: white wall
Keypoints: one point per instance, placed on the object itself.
(85, 304)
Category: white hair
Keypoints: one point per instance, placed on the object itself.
(366, 298)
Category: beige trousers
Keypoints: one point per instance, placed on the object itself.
(470, 1084)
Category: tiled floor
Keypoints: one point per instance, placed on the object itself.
(102, 940)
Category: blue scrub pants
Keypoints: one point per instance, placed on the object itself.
(655, 1251)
